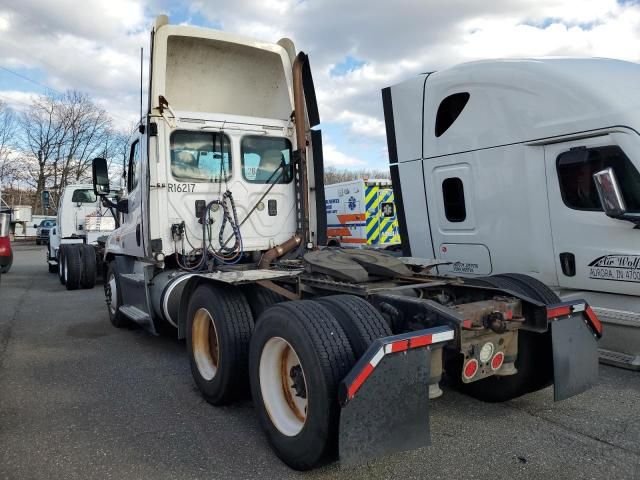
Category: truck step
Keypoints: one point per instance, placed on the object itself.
(135, 314)
(132, 277)
(618, 359)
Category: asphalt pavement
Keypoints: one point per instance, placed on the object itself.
(82, 399)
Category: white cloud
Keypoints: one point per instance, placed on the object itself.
(335, 158)
(16, 100)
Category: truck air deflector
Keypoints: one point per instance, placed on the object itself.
(385, 397)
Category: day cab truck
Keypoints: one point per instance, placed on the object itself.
(223, 243)
(528, 166)
(76, 241)
(361, 213)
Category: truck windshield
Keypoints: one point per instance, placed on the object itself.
(266, 159)
(198, 156)
(83, 196)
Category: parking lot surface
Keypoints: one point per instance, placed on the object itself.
(82, 399)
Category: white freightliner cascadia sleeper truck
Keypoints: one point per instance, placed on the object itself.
(341, 350)
(76, 243)
(527, 166)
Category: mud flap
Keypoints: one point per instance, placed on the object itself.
(575, 356)
(385, 397)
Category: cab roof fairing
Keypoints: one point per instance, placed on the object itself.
(516, 101)
(204, 70)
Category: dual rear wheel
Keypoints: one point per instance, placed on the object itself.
(292, 360)
(77, 266)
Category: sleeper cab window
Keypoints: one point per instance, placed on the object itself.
(577, 166)
(449, 110)
(200, 157)
(453, 197)
(266, 160)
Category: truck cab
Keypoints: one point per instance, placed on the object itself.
(502, 155)
(199, 141)
(82, 221)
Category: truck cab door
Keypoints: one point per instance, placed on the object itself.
(592, 251)
(131, 234)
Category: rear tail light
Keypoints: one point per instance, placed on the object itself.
(470, 369)
(496, 361)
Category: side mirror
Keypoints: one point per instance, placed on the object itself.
(35, 225)
(45, 199)
(100, 176)
(609, 192)
(611, 196)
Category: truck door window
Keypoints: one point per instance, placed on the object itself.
(575, 173)
(449, 110)
(83, 196)
(266, 159)
(453, 197)
(134, 161)
(200, 157)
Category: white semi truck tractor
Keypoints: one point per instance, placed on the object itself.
(220, 244)
(527, 166)
(76, 243)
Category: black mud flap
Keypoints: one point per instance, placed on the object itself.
(575, 355)
(385, 398)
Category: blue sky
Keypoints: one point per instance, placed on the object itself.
(356, 47)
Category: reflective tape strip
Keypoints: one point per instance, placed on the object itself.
(377, 357)
(371, 195)
(442, 336)
(362, 376)
(558, 311)
(593, 318)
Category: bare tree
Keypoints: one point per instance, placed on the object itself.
(42, 136)
(61, 135)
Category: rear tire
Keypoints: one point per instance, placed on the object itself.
(219, 326)
(89, 266)
(61, 273)
(361, 322)
(534, 362)
(113, 297)
(301, 437)
(260, 298)
(73, 266)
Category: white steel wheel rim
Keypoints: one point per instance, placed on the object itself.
(113, 294)
(287, 410)
(205, 344)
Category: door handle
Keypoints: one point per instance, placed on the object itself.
(568, 264)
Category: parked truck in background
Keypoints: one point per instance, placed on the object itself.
(342, 350)
(361, 213)
(76, 240)
(527, 166)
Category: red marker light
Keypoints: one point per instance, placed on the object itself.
(470, 369)
(496, 361)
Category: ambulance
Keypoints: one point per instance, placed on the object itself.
(361, 213)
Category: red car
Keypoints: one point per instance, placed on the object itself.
(6, 255)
